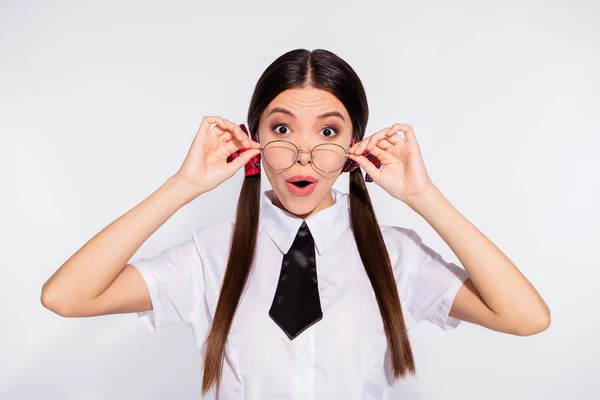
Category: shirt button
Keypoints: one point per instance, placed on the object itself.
(304, 350)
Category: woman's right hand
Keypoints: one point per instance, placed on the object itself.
(205, 167)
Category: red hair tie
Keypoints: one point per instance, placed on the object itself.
(252, 167)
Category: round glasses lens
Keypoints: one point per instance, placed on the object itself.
(329, 157)
(279, 154)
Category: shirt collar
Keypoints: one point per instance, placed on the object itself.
(325, 225)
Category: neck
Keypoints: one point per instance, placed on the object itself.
(326, 202)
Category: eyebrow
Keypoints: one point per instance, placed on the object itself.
(291, 114)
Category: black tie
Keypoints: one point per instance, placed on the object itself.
(296, 304)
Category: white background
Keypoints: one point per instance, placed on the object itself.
(99, 102)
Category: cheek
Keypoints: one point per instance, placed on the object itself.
(272, 174)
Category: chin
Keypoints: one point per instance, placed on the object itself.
(299, 205)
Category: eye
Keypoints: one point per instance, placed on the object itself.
(330, 129)
(282, 129)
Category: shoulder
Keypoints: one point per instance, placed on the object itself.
(403, 245)
(213, 233)
(213, 241)
(399, 236)
(398, 241)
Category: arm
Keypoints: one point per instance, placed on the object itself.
(96, 280)
(496, 295)
(75, 289)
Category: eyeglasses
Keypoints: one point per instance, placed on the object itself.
(281, 154)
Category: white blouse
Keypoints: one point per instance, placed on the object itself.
(340, 357)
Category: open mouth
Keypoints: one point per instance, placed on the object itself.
(301, 184)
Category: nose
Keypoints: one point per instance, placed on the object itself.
(304, 157)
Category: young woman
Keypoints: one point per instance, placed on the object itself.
(305, 295)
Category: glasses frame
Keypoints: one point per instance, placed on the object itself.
(312, 160)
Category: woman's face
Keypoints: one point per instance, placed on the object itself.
(295, 115)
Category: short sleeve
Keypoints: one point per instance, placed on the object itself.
(432, 284)
(174, 279)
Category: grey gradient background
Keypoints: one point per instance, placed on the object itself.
(99, 102)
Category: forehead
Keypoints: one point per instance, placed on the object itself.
(307, 102)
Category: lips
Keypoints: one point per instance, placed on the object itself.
(301, 185)
(301, 178)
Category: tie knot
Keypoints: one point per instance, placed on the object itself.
(303, 230)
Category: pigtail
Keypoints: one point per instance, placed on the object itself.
(376, 261)
(241, 256)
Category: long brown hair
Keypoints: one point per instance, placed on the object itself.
(320, 69)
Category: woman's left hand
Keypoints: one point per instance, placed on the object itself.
(402, 173)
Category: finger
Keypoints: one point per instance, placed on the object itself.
(383, 144)
(219, 129)
(208, 120)
(217, 132)
(353, 147)
(377, 151)
(254, 143)
(221, 123)
(238, 162)
(409, 136)
(368, 166)
(383, 155)
(409, 132)
(241, 135)
(225, 137)
(381, 152)
(393, 137)
(361, 146)
(251, 143)
(374, 139)
(237, 132)
(401, 127)
(358, 147)
(233, 145)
